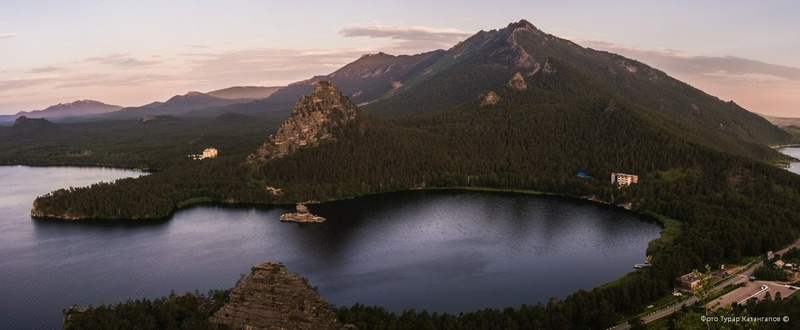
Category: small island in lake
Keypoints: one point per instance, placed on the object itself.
(302, 215)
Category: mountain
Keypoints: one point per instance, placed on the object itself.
(61, 110)
(193, 101)
(398, 86)
(244, 92)
(176, 105)
(368, 78)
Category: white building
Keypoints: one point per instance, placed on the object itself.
(622, 179)
(210, 153)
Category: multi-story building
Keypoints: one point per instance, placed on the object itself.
(622, 179)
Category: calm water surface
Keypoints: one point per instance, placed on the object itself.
(794, 152)
(447, 251)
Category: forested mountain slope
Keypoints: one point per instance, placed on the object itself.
(398, 86)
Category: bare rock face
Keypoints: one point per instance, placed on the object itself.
(273, 298)
(302, 215)
(313, 119)
(548, 68)
(517, 82)
(491, 98)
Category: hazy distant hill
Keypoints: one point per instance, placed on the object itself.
(244, 92)
(176, 105)
(61, 110)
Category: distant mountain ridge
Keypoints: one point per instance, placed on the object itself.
(176, 105)
(245, 92)
(62, 110)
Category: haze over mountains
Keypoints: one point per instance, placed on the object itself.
(61, 110)
(178, 104)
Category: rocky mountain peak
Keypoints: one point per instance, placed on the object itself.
(525, 25)
(379, 54)
(314, 118)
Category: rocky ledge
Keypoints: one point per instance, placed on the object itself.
(273, 298)
(302, 215)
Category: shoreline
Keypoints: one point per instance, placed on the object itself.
(89, 165)
(188, 204)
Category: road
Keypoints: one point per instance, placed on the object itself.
(688, 302)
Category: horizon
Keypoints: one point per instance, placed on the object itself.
(131, 54)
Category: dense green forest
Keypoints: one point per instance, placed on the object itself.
(727, 205)
(192, 310)
(154, 145)
(702, 170)
(176, 311)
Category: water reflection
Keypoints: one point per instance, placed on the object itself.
(440, 250)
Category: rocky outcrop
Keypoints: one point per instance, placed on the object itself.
(272, 298)
(490, 98)
(314, 118)
(302, 215)
(517, 82)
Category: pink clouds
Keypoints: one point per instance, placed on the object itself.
(758, 86)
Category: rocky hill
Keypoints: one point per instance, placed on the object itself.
(272, 298)
(314, 118)
(39, 123)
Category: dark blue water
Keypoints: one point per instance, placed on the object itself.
(446, 251)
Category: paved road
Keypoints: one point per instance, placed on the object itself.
(672, 309)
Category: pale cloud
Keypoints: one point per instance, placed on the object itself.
(107, 79)
(49, 68)
(758, 86)
(746, 77)
(408, 39)
(403, 32)
(716, 67)
(8, 35)
(267, 65)
(7, 84)
(121, 60)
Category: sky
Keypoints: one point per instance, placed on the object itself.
(131, 53)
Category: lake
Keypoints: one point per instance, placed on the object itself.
(441, 250)
(794, 152)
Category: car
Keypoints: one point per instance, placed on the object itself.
(764, 287)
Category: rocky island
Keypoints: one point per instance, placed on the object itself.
(302, 215)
